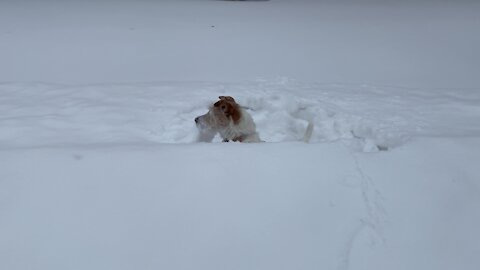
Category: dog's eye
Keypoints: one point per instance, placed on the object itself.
(223, 107)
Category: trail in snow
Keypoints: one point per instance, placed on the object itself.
(344, 261)
(373, 200)
(367, 118)
(375, 217)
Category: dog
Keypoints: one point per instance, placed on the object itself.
(227, 118)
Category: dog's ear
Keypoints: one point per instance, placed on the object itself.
(230, 109)
(227, 98)
(221, 104)
(234, 112)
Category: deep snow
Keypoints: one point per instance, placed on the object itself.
(99, 167)
(364, 116)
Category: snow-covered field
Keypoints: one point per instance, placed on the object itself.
(100, 168)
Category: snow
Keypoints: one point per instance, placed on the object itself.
(100, 167)
(241, 206)
(402, 43)
(361, 115)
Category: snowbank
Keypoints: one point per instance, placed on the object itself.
(366, 117)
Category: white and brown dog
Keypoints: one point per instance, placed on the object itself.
(227, 118)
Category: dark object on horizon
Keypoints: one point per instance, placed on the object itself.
(245, 0)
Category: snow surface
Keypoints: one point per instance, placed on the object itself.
(100, 168)
(423, 43)
(364, 116)
(241, 206)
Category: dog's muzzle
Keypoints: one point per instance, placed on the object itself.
(200, 122)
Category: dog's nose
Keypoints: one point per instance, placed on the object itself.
(196, 120)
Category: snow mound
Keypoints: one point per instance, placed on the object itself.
(366, 118)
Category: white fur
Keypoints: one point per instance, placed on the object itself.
(245, 128)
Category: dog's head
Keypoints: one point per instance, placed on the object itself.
(220, 115)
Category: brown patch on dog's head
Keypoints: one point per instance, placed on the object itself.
(229, 107)
(227, 98)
